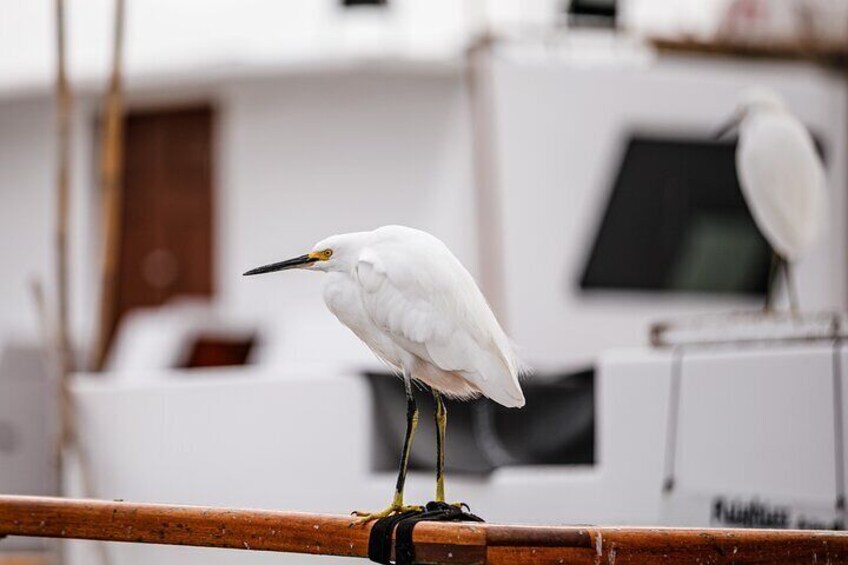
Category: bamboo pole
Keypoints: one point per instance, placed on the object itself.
(58, 335)
(111, 172)
(461, 543)
(61, 338)
(57, 329)
(63, 118)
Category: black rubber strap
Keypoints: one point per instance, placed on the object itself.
(380, 539)
(380, 542)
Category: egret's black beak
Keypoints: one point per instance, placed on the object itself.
(283, 265)
(728, 126)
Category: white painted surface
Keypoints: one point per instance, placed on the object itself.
(27, 437)
(758, 422)
(27, 208)
(187, 40)
(298, 441)
(26, 173)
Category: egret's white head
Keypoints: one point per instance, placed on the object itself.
(341, 251)
(754, 100)
(760, 99)
(335, 253)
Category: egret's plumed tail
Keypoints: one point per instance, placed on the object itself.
(499, 390)
(497, 378)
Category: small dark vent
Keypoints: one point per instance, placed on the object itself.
(219, 351)
(592, 13)
(357, 3)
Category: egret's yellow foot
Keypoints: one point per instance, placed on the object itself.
(365, 517)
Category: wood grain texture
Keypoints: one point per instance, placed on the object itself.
(830, 54)
(25, 558)
(265, 530)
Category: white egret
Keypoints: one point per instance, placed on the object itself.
(404, 294)
(782, 179)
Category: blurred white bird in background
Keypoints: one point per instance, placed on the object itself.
(782, 178)
(404, 294)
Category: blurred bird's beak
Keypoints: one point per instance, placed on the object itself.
(283, 265)
(728, 126)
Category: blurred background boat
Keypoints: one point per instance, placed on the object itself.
(563, 151)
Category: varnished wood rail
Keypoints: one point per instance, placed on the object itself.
(266, 530)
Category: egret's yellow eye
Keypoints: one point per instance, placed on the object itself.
(328, 253)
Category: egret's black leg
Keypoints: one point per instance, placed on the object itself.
(790, 288)
(441, 424)
(774, 267)
(397, 500)
(411, 425)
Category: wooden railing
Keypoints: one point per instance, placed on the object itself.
(464, 543)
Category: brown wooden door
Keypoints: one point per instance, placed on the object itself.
(166, 246)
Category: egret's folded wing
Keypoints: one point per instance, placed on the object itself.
(783, 181)
(437, 313)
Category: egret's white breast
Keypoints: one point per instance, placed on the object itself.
(343, 298)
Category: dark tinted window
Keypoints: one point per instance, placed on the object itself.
(677, 221)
